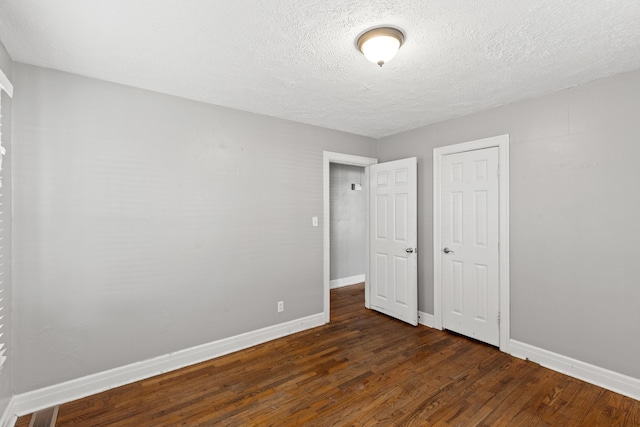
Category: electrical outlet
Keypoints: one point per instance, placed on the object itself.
(280, 306)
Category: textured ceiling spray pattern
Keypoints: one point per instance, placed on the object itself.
(298, 60)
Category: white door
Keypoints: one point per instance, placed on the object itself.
(470, 263)
(393, 267)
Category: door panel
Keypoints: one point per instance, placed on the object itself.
(380, 273)
(470, 269)
(393, 237)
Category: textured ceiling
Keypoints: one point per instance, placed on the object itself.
(297, 59)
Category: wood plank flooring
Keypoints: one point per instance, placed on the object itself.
(363, 369)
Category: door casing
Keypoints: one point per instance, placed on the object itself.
(502, 142)
(345, 159)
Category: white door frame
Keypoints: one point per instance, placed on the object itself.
(343, 159)
(502, 142)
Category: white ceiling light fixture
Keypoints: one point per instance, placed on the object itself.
(380, 45)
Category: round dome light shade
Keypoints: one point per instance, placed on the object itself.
(380, 44)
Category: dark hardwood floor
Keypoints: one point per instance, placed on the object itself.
(363, 369)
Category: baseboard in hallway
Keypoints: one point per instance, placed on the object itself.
(347, 281)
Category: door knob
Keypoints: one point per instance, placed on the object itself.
(409, 250)
(447, 251)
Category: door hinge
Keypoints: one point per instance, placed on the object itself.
(498, 318)
(498, 172)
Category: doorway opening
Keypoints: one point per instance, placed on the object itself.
(347, 229)
(360, 163)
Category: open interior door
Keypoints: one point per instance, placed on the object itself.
(393, 266)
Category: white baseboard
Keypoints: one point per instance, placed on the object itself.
(36, 400)
(426, 319)
(614, 381)
(9, 418)
(347, 281)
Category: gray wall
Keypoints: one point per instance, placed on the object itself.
(347, 212)
(6, 376)
(146, 224)
(574, 216)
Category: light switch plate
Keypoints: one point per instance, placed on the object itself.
(314, 221)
